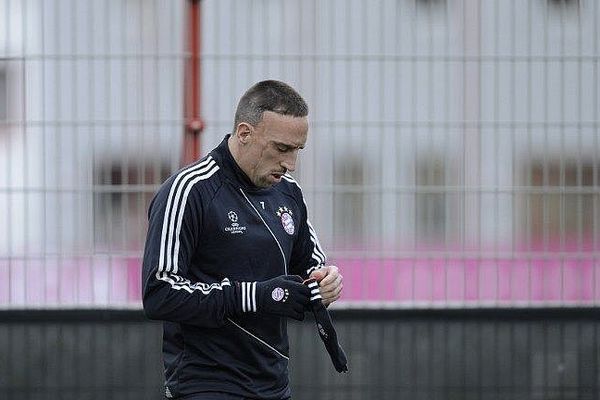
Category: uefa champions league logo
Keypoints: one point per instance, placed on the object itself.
(235, 227)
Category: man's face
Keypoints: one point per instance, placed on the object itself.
(272, 148)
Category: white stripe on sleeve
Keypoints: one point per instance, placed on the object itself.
(248, 296)
(244, 297)
(254, 296)
(168, 264)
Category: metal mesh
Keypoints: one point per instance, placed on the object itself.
(452, 157)
(91, 128)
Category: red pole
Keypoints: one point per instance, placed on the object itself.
(194, 124)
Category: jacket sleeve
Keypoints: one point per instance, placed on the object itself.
(175, 222)
(307, 254)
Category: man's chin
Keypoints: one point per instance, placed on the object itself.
(268, 181)
(263, 184)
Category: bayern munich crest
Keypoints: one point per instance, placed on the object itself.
(286, 220)
(279, 294)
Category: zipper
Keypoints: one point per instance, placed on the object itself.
(284, 268)
(272, 234)
(258, 339)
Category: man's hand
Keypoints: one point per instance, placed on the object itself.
(284, 296)
(330, 283)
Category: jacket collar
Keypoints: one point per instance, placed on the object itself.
(231, 169)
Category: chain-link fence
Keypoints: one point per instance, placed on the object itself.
(453, 154)
(453, 161)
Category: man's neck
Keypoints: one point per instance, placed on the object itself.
(234, 149)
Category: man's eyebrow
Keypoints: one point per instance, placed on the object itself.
(290, 145)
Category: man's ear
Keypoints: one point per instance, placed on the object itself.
(243, 132)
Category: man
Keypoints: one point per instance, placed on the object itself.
(229, 244)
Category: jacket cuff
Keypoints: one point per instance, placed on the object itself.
(248, 296)
(314, 268)
(315, 294)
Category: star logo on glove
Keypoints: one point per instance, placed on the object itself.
(280, 294)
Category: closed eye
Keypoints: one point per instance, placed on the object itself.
(286, 148)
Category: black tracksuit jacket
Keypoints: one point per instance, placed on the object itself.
(210, 229)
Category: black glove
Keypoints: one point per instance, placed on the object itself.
(284, 295)
(326, 329)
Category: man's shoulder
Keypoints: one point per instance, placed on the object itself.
(290, 186)
(202, 174)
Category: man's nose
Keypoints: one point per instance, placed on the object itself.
(289, 163)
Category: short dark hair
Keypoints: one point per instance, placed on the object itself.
(270, 95)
